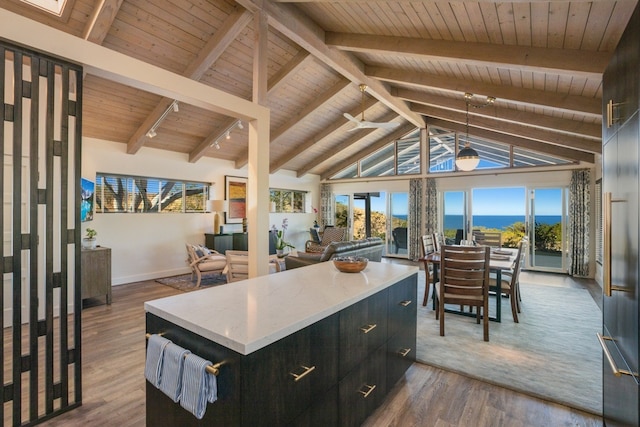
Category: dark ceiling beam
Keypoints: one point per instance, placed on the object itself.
(567, 103)
(372, 148)
(576, 127)
(540, 147)
(528, 58)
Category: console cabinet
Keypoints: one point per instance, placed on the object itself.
(235, 241)
(96, 273)
(335, 372)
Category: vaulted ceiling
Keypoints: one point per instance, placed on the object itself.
(542, 61)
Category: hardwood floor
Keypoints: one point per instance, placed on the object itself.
(113, 381)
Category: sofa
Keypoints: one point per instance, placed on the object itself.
(370, 248)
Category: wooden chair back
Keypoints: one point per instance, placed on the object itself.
(438, 240)
(488, 238)
(464, 280)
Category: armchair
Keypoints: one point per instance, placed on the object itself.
(331, 234)
(202, 259)
(399, 238)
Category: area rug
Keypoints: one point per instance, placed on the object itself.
(186, 284)
(553, 353)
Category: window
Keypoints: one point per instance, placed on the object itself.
(119, 193)
(287, 201)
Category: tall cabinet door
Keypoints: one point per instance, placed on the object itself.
(620, 310)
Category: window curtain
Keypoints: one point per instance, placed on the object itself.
(431, 206)
(326, 205)
(579, 222)
(415, 218)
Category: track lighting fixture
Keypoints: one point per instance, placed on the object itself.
(172, 107)
(226, 133)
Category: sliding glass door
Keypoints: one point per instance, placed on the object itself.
(454, 208)
(546, 229)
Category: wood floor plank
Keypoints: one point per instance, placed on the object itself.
(113, 381)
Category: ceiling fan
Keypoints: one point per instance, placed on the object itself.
(362, 123)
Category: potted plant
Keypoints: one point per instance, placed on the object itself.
(281, 244)
(89, 242)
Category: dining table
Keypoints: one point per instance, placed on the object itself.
(500, 259)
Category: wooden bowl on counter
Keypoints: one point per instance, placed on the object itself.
(350, 264)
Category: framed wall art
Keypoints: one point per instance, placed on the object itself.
(236, 196)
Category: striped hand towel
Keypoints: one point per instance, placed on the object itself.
(155, 352)
(198, 386)
(171, 372)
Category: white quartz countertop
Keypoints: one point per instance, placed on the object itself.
(248, 315)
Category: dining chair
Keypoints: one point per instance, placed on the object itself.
(237, 265)
(510, 282)
(427, 247)
(438, 240)
(464, 280)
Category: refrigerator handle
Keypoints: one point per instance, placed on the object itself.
(606, 267)
(617, 372)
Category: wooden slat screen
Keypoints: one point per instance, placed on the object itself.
(40, 140)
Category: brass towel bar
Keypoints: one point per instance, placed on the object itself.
(214, 369)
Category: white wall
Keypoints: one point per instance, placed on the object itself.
(148, 246)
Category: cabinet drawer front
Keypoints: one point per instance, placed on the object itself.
(363, 328)
(401, 353)
(301, 366)
(403, 304)
(362, 391)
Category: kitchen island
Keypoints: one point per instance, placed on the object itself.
(309, 346)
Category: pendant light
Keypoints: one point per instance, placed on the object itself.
(468, 158)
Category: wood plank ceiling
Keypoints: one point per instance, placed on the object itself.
(542, 61)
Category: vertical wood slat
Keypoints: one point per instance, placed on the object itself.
(26, 359)
(3, 56)
(64, 208)
(49, 286)
(17, 237)
(77, 334)
(33, 230)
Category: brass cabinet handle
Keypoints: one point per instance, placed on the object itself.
(307, 371)
(366, 394)
(368, 328)
(607, 208)
(610, 113)
(617, 372)
(405, 303)
(404, 352)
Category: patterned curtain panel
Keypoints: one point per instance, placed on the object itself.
(431, 206)
(326, 205)
(579, 219)
(415, 218)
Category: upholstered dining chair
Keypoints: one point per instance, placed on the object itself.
(464, 280)
(237, 265)
(510, 281)
(427, 247)
(201, 259)
(330, 235)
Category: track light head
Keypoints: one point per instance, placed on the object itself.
(217, 146)
(228, 136)
(176, 108)
(240, 126)
(152, 133)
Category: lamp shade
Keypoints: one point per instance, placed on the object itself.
(467, 159)
(217, 205)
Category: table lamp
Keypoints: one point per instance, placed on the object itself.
(216, 206)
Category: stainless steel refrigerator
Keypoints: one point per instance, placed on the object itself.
(620, 180)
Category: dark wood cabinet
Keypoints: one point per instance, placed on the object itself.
(218, 242)
(235, 241)
(96, 273)
(621, 187)
(341, 364)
